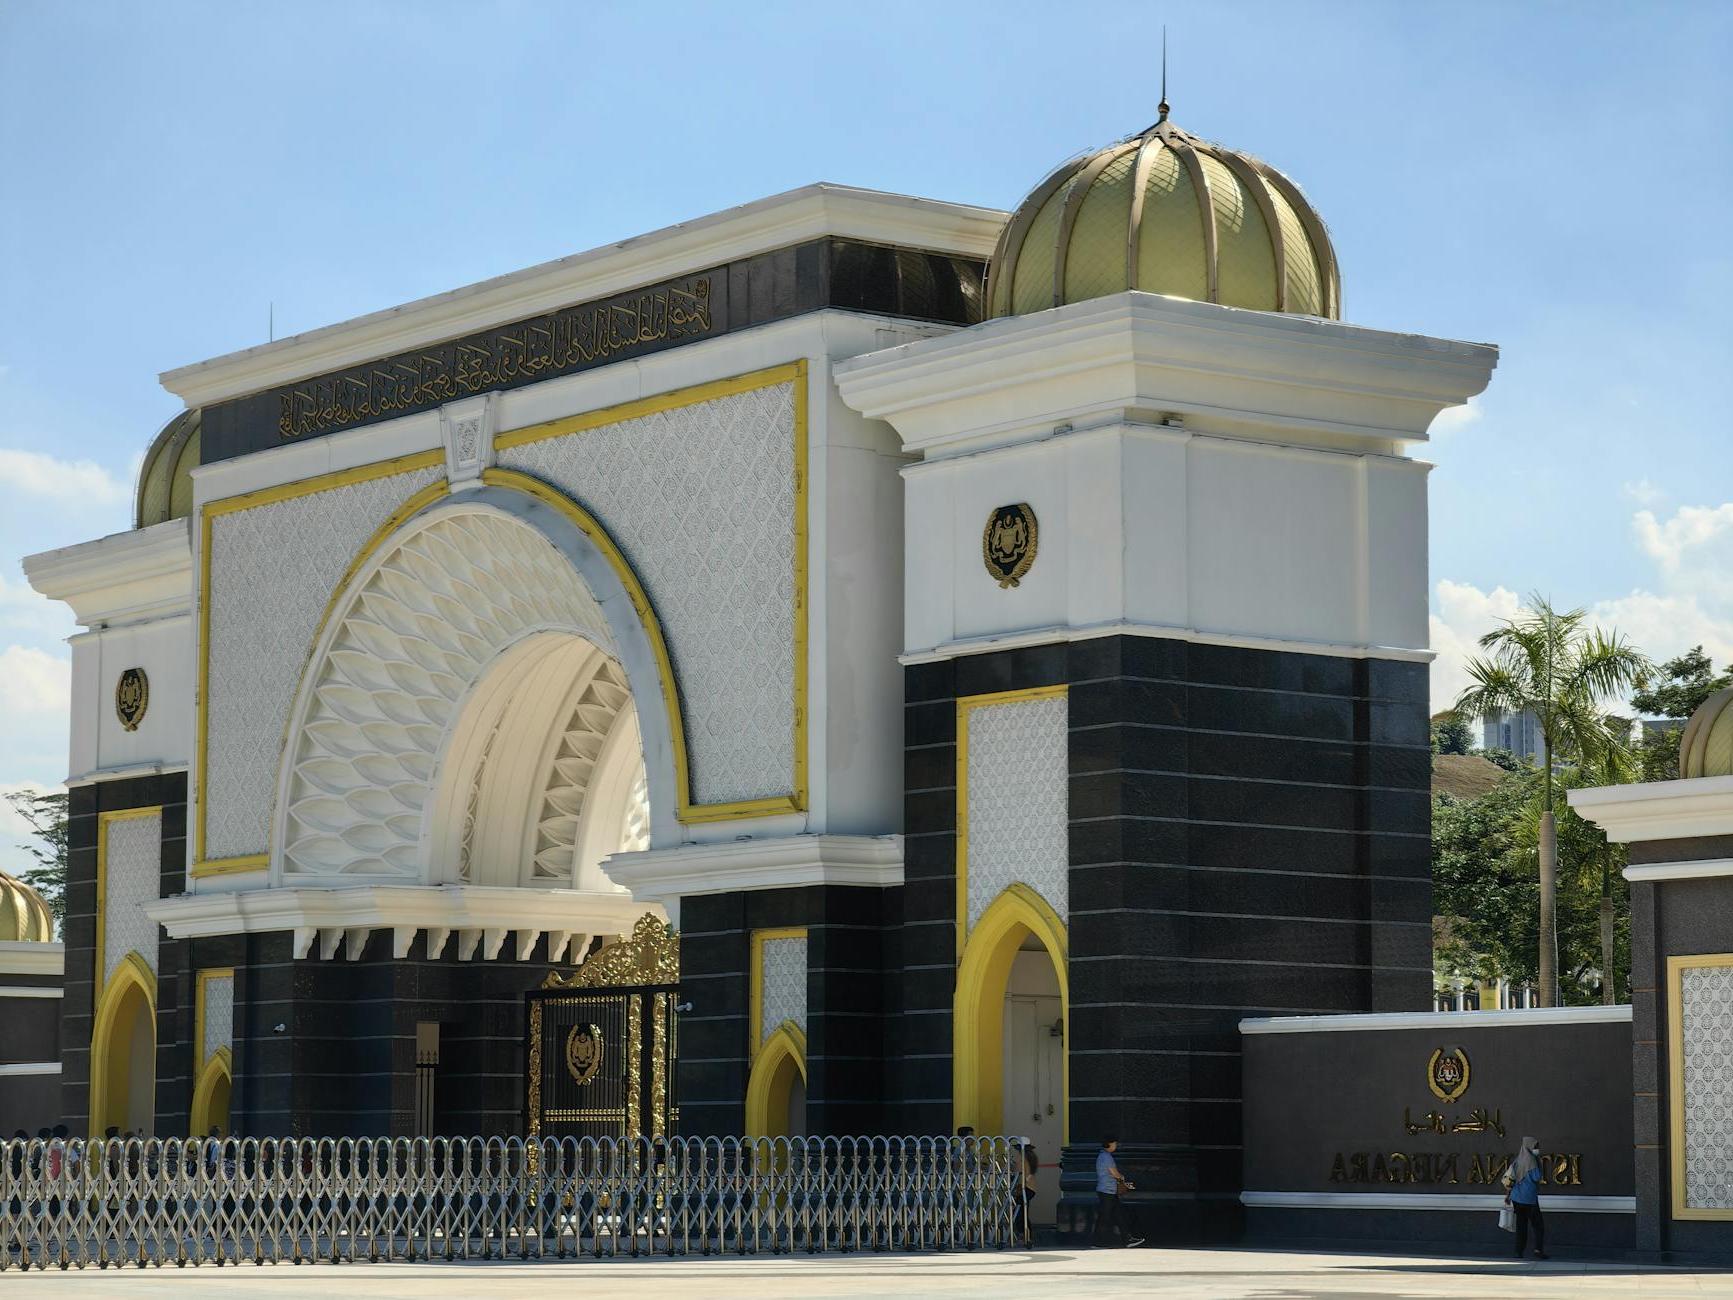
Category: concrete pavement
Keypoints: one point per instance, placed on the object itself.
(1043, 1275)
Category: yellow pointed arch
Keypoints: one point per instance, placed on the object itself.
(108, 1073)
(772, 1080)
(211, 1095)
(978, 1014)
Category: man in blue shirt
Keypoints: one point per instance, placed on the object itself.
(1108, 1184)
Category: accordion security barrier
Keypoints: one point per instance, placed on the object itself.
(157, 1201)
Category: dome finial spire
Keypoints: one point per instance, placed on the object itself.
(1162, 107)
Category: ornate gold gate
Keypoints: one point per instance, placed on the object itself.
(602, 1042)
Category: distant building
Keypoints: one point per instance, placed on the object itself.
(1517, 732)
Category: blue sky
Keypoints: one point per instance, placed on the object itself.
(1554, 178)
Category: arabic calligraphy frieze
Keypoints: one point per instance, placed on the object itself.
(541, 347)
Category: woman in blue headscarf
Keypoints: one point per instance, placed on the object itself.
(1522, 1180)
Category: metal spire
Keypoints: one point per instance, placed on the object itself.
(1162, 107)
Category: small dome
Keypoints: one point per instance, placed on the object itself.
(1706, 746)
(24, 917)
(1167, 213)
(165, 481)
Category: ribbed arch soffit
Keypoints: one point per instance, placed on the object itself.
(414, 632)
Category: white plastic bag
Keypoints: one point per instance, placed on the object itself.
(1507, 1217)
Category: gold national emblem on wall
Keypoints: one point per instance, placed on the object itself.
(131, 698)
(583, 1052)
(1447, 1073)
(1008, 543)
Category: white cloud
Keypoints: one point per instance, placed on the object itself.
(34, 682)
(1465, 614)
(1673, 542)
(1453, 419)
(24, 610)
(82, 482)
(1643, 492)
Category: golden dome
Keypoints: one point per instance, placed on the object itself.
(23, 915)
(165, 480)
(1167, 213)
(1706, 745)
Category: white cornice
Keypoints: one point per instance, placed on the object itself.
(348, 916)
(128, 577)
(1702, 870)
(124, 773)
(662, 875)
(1659, 810)
(976, 645)
(1440, 1021)
(23, 957)
(1224, 368)
(811, 212)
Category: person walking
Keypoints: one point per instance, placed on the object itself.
(1109, 1183)
(1026, 1195)
(1523, 1181)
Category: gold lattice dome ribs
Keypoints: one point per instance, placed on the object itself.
(1706, 747)
(1167, 213)
(24, 917)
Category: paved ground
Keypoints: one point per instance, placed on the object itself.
(1047, 1275)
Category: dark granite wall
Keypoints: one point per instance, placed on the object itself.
(1250, 835)
(85, 804)
(1670, 918)
(846, 1019)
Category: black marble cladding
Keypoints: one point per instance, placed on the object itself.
(1669, 918)
(851, 944)
(1250, 835)
(824, 273)
(85, 804)
(343, 1062)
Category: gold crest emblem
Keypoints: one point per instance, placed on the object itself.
(1447, 1073)
(583, 1052)
(131, 698)
(1008, 543)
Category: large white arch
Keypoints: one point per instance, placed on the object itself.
(465, 598)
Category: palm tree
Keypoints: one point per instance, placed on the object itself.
(1549, 664)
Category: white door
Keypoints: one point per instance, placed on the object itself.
(1034, 1101)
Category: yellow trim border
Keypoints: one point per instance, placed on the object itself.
(687, 811)
(205, 976)
(755, 1017)
(967, 704)
(221, 1065)
(764, 1099)
(1676, 968)
(978, 1015)
(132, 972)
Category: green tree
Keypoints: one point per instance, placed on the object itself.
(1550, 664)
(45, 814)
(1672, 690)
(1451, 734)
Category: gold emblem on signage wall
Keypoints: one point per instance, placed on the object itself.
(1008, 543)
(583, 1052)
(1447, 1073)
(131, 698)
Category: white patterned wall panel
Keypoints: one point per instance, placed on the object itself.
(219, 1015)
(132, 877)
(1706, 1017)
(1019, 805)
(784, 995)
(701, 499)
(273, 569)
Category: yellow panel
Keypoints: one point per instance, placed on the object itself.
(1170, 248)
(1305, 286)
(1033, 290)
(1245, 261)
(1095, 259)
